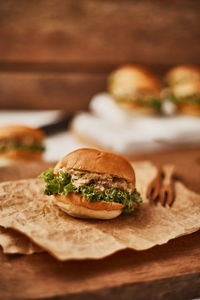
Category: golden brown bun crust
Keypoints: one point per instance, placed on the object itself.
(78, 206)
(18, 131)
(22, 155)
(96, 161)
(80, 200)
(189, 109)
(186, 88)
(182, 72)
(139, 78)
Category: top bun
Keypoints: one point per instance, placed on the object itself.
(19, 131)
(96, 161)
(186, 89)
(129, 79)
(182, 73)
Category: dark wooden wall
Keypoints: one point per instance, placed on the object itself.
(57, 54)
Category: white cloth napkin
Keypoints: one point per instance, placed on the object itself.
(30, 118)
(111, 127)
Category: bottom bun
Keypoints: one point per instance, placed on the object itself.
(21, 155)
(189, 109)
(136, 109)
(78, 206)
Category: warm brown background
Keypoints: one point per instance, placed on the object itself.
(57, 54)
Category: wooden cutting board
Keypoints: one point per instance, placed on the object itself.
(170, 271)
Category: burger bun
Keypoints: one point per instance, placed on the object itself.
(78, 206)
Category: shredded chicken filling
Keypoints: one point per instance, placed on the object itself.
(101, 181)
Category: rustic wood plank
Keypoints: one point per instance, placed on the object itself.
(40, 275)
(85, 40)
(70, 91)
(170, 271)
(178, 288)
(72, 67)
(165, 32)
(68, 86)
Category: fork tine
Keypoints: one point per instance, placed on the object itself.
(155, 192)
(152, 191)
(154, 187)
(149, 191)
(163, 196)
(156, 200)
(167, 189)
(171, 197)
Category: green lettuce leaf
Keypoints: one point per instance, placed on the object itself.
(32, 147)
(193, 99)
(20, 146)
(154, 103)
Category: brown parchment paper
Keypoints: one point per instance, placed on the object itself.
(24, 208)
(12, 242)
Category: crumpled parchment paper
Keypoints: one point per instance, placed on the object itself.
(24, 208)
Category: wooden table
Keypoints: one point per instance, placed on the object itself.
(170, 271)
(58, 54)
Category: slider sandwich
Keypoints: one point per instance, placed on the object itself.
(186, 96)
(180, 74)
(21, 143)
(184, 89)
(88, 183)
(135, 89)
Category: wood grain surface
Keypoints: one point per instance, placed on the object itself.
(165, 32)
(170, 271)
(70, 91)
(57, 54)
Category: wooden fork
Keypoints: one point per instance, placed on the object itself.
(153, 189)
(167, 192)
